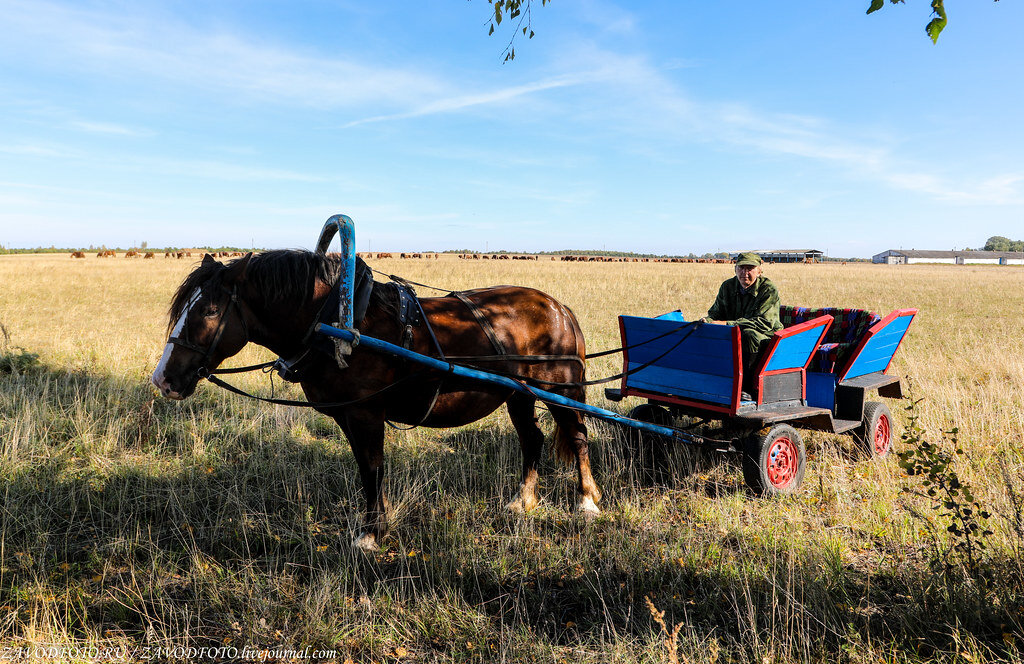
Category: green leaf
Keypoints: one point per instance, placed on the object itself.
(491, 31)
(497, 12)
(875, 5)
(934, 29)
(936, 25)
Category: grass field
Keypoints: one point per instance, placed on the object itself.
(133, 521)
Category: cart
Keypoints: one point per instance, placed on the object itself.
(818, 373)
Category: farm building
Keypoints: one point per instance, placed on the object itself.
(784, 255)
(911, 256)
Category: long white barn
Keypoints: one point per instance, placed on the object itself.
(784, 255)
(911, 256)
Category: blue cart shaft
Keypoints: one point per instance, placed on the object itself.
(474, 374)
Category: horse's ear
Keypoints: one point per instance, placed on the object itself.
(207, 259)
(237, 269)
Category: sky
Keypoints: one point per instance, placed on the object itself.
(654, 127)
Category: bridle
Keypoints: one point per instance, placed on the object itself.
(207, 353)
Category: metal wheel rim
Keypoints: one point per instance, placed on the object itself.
(883, 435)
(783, 462)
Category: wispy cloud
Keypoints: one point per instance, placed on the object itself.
(636, 97)
(109, 128)
(464, 101)
(35, 150)
(164, 48)
(607, 17)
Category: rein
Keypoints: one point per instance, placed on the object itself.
(518, 358)
(302, 404)
(502, 356)
(598, 381)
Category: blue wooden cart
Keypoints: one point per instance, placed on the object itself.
(817, 373)
(804, 379)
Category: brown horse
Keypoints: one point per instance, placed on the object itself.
(272, 299)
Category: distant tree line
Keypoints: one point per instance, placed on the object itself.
(624, 254)
(1000, 243)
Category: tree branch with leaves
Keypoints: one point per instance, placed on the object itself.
(934, 27)
(513, 9)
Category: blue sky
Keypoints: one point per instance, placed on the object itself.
(664, 127)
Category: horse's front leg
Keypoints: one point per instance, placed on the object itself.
(365, 432)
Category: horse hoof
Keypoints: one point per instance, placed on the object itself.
(588, 508)
(520, 506)
(515, 507)
(367, 543)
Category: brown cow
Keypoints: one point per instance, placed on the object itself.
(149, 254)
(78, 254)
(131, 254)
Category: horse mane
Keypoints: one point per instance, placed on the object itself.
(280, 275)
(195, 279)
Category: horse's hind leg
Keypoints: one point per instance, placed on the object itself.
(571, 440)
(365, 433)
(531, 440)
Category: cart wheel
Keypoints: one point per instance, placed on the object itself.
(874, 435)
(648, 451)
(773, 462)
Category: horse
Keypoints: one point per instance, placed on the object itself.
(275, 297)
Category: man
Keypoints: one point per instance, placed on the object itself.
(750, 301)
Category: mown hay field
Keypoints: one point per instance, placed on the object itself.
(130, 521)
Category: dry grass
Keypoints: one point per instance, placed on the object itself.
(131, 520)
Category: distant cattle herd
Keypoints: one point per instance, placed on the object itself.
(431, 255)
(134, 253)
(533, 257)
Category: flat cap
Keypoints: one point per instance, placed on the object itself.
(748, 258)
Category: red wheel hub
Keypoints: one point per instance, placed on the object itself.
(783, 462)
(883, 435)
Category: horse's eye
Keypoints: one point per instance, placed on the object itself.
(212, 312)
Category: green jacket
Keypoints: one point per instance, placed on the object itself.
(756, 311)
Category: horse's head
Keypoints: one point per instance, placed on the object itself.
(207, 325)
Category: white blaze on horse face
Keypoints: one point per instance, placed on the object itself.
(159, 380)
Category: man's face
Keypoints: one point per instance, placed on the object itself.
(747, 274)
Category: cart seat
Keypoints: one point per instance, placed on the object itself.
(848, 328)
